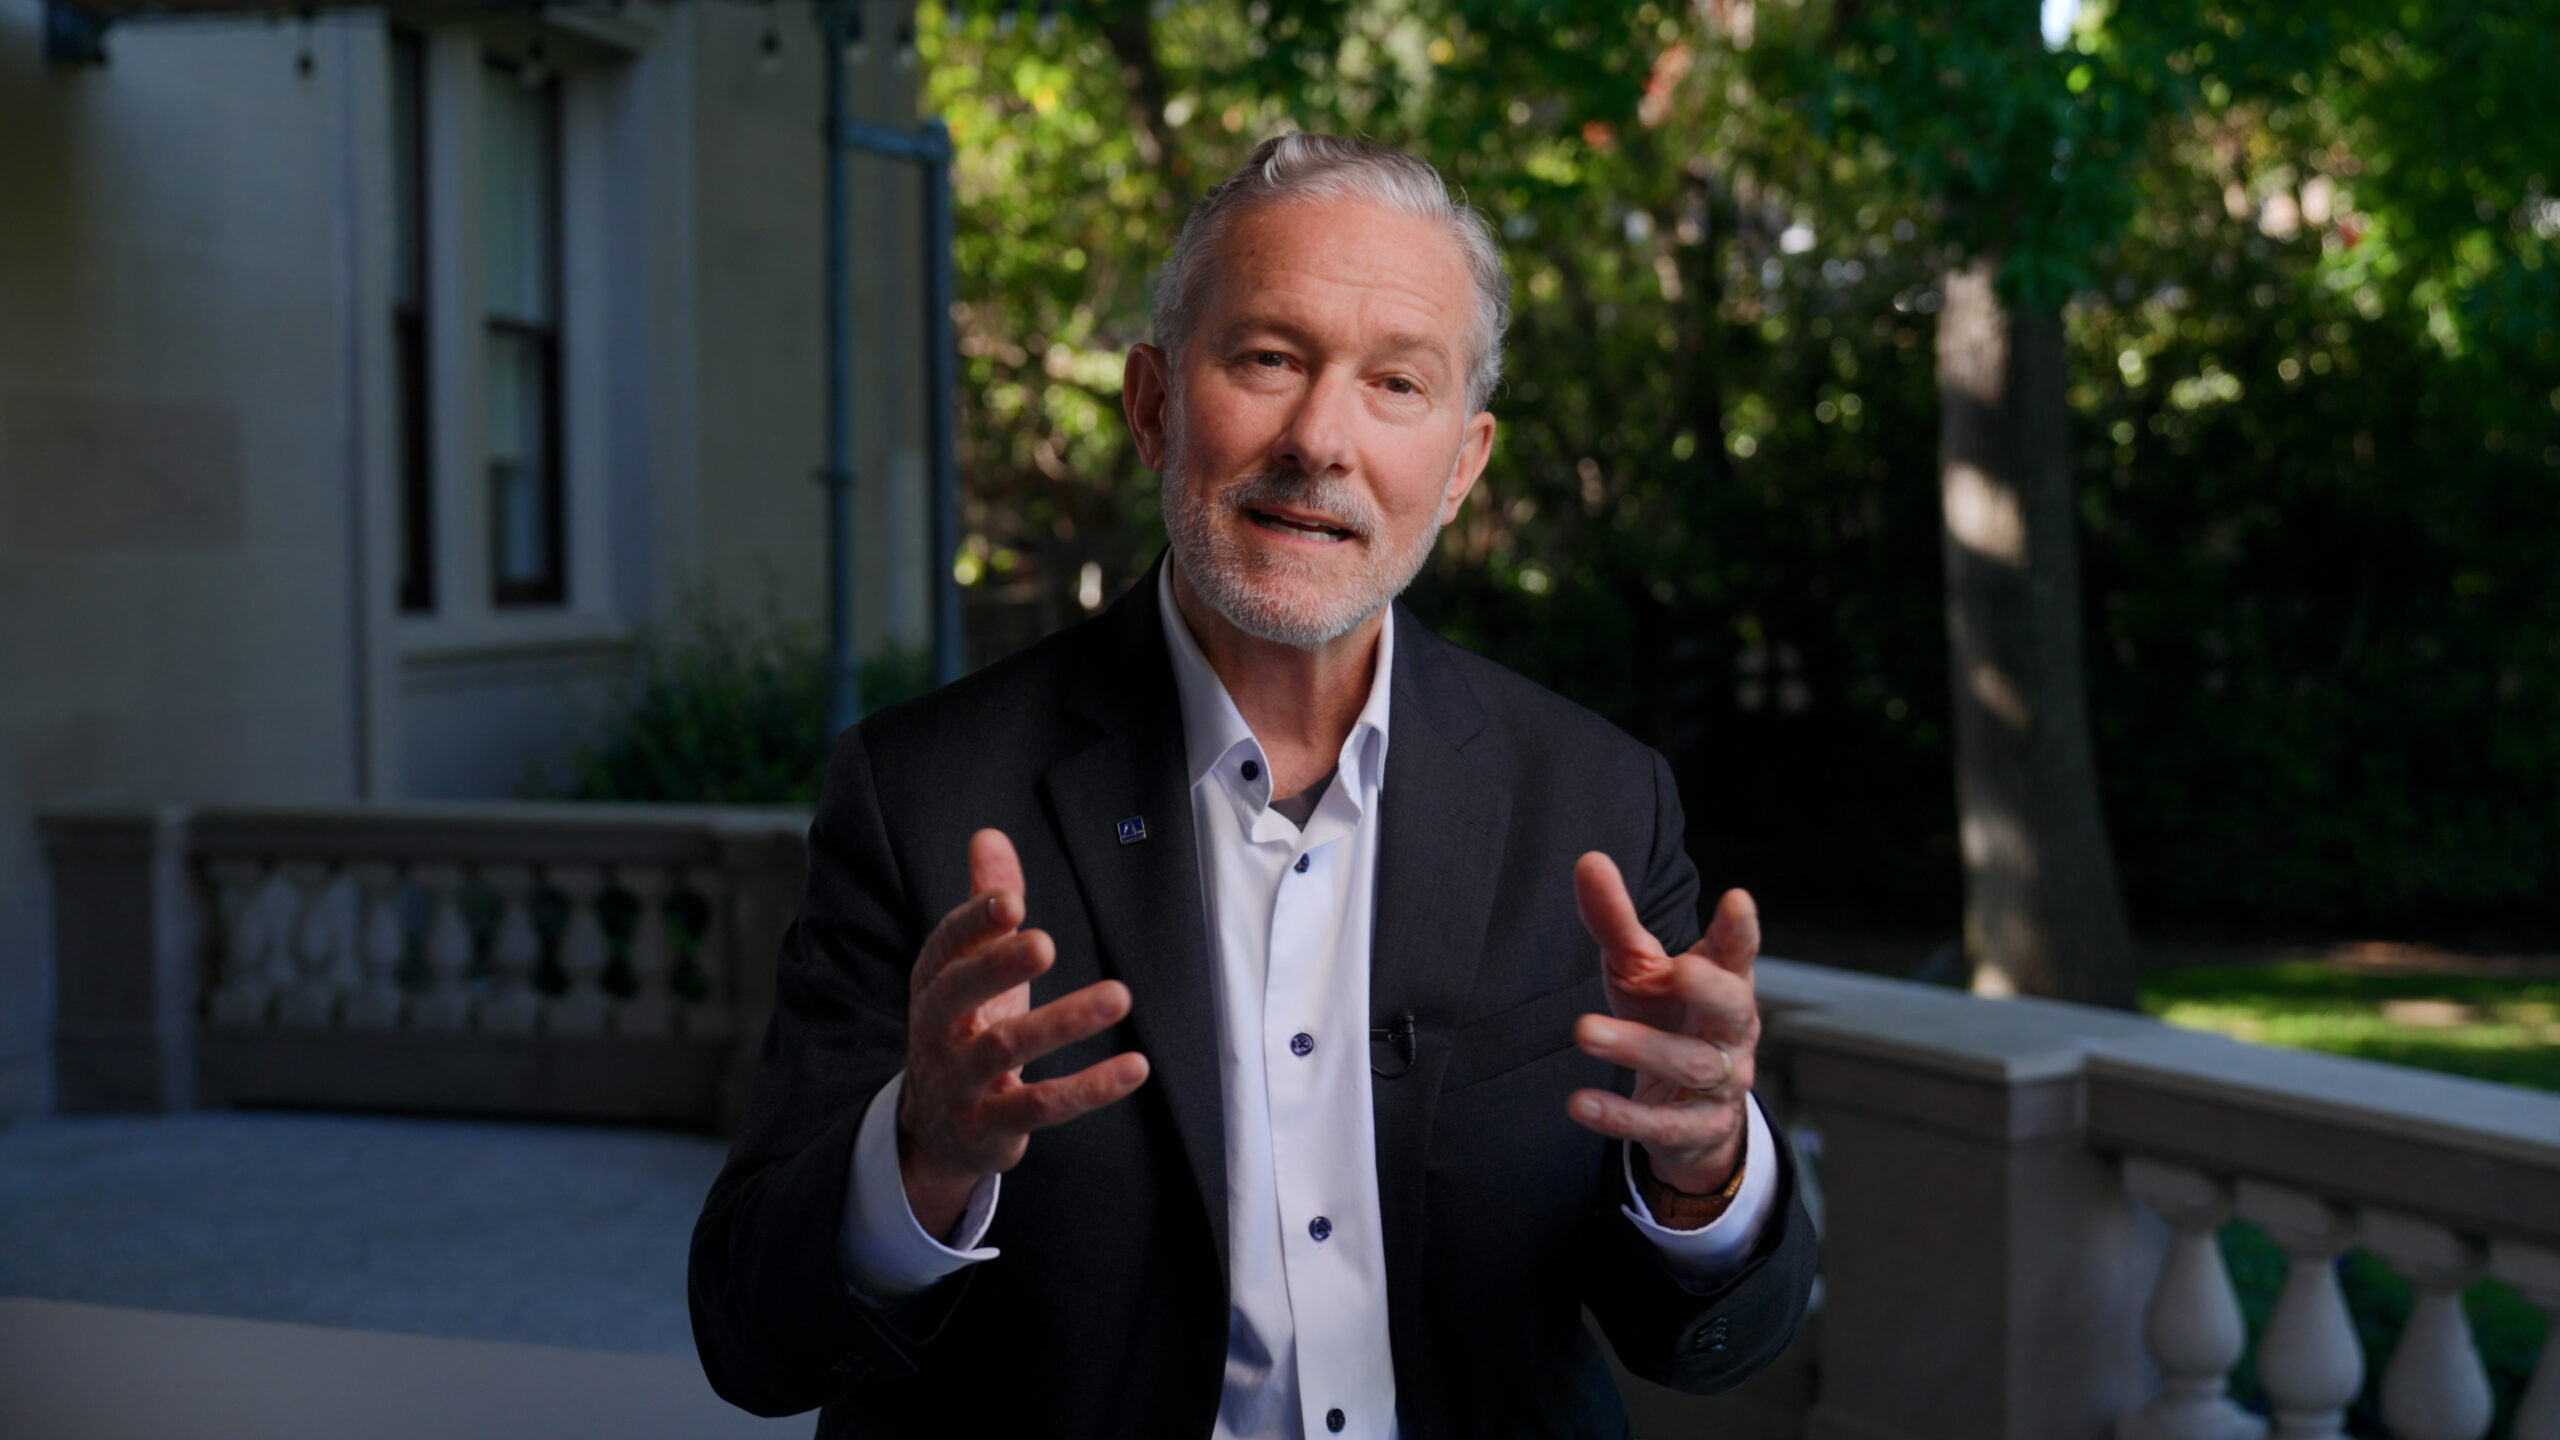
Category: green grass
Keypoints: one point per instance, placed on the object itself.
(2489, 1029)
(2503, 1030)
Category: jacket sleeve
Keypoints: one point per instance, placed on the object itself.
(778, 1329)
(1701, 1343)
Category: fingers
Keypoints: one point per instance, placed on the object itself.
(971, 980)
(1664, 1129)
(1025, 1108)
(1716, 1004)
(994, 908)
(1628, 951)
(1012, 1043)
(992, 863)
(1732, 940)
(1682, 1062)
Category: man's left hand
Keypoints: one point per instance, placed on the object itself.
(1686, 1024)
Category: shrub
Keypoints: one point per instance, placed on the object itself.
(725, 710)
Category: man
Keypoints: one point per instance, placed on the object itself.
(1247, 932)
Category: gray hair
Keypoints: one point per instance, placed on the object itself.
(1327, 168)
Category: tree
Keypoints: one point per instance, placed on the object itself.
(2029, 158)
(2021, 154)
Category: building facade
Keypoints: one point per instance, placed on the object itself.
(368, 385)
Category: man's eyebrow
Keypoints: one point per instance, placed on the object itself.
(1400, 343)
(1417, 344)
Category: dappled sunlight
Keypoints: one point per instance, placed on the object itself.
(1983, 515)
(1990, 687)
(2488, 1027)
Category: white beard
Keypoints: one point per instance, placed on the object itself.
(1250, 587)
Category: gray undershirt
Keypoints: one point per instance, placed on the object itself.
(1301, 807)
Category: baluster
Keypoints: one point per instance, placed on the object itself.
(649, 1011)
(2308, 1360)
(711, 1018)
(240, 993)
(376, 1004)
(516, 1008)
(2535, 1272)
(280, 908)
(2435, 1387)
(322, 965)
(2193, 1327)
(583, 952)
(446, 1005)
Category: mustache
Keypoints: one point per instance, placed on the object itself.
(1274, 489)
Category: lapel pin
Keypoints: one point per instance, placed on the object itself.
(1133, 830)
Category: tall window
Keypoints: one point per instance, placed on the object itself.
(520, 269)
(409, 318)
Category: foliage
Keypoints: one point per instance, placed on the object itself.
(725, 711)
(2023, 153)
(2322, 650)
(2319, 511)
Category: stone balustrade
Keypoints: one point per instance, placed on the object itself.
(2443, 1180)
(573, 961)
(2022, 1201)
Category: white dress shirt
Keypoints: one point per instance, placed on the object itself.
(1289, 914)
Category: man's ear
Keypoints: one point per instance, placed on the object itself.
(1146, 387)
(1474, 449)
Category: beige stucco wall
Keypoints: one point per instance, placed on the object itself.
(198, 518)
(760, 313)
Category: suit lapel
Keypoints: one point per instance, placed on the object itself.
(1143, 894)
(1440, 849)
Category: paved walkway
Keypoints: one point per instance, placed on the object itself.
(538, 1234)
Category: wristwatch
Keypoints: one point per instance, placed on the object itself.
(1683, 1209)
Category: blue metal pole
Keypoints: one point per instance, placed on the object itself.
(942, 423)
(931, 149)
(836, 19)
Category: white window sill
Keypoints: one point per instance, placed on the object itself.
(432, 638)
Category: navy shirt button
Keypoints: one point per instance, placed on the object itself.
(1321, 1228)
(1252, 771)
(1302, 864)
(1334, 1421)
(1301, 1043)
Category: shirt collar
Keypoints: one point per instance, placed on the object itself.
(1212, 727)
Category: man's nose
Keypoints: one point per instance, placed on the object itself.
(1316, 441)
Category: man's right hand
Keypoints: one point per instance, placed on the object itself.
(963, 1112)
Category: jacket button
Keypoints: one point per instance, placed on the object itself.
(1322, 1229)
(1334, 1421)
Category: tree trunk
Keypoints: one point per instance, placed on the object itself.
(1130, 30)
(2042, 912)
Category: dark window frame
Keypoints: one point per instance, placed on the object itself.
(409, 329)
(551, 587)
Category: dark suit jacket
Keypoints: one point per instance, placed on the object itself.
(1106, 1315)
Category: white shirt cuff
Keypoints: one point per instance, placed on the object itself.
(884, 1254)
(1698, 1258)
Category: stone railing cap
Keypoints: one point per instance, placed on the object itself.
(2475, 1116)
(2015, 1041)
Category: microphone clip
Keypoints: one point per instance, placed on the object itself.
(1398, 1034)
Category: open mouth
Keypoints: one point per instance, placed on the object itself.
(1291, 525)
